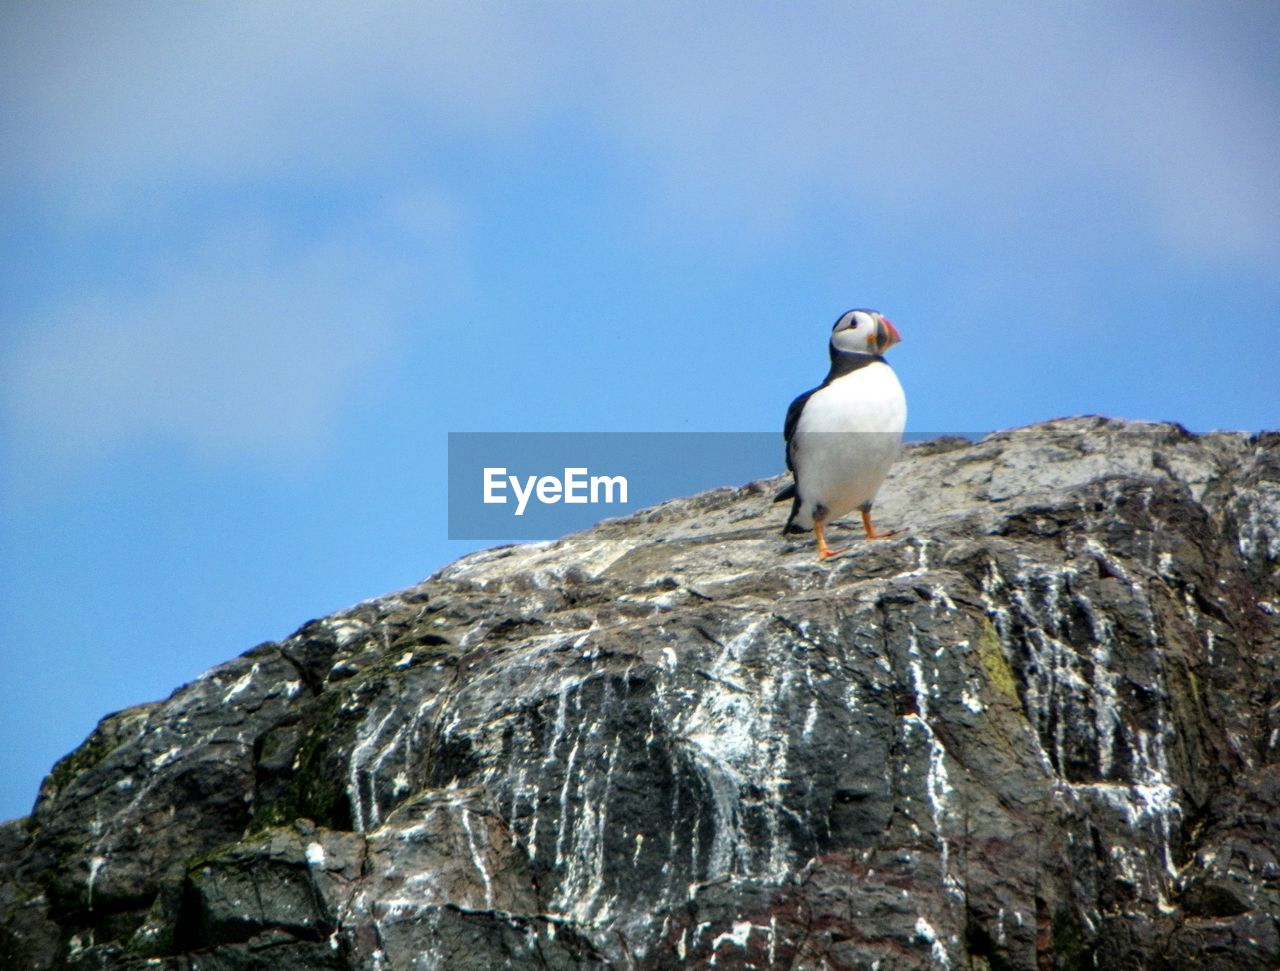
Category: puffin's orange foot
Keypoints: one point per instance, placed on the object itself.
(825, 552)
(871, 530)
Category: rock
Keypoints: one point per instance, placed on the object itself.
(1039, 729)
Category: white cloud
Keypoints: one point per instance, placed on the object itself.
(759, 111)
(113, 102)
(244, 346)
(915, 110)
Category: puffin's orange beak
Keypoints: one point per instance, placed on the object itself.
(886, 334)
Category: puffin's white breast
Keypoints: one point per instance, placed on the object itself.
(847, 439)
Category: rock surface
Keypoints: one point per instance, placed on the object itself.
(1040, 728)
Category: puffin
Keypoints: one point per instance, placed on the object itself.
(843, 436)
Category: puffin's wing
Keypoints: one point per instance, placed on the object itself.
(793, 420)
(788, 433)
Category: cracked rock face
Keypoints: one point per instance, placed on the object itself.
(1040, 728)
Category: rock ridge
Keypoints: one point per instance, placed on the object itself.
(1039, 729)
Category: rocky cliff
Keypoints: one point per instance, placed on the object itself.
(1040, 728)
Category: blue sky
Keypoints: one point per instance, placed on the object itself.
(259, 259)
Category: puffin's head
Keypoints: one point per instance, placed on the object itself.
(863, 332)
